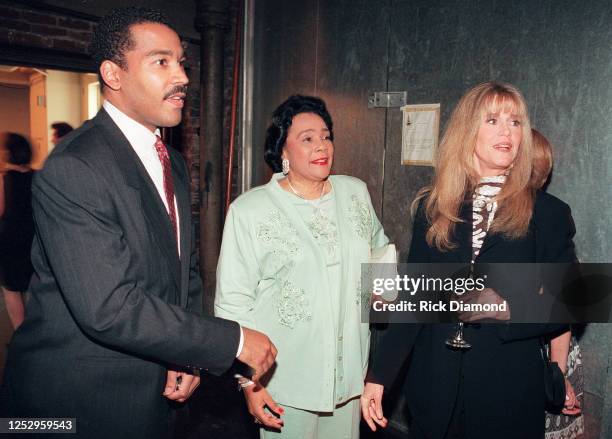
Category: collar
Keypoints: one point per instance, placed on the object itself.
(499, 179)
(139, 136)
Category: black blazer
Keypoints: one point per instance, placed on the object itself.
(112, 303)
(503, 371)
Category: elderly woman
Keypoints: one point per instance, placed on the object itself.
(481, 208)
(290, 267)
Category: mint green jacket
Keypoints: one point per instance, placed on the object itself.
(272, 277)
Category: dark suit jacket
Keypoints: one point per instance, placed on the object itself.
(112, 303)
(503, 371)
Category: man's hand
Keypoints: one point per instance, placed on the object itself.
(258, 399)
(257, 351)
(180, 385)
(371, 405)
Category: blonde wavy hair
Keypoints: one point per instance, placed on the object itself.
(456, 176)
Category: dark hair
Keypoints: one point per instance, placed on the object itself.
(61, 128)
(276, 136)
(19, 149)
(112, 37)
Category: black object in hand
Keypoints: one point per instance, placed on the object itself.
(243, 369)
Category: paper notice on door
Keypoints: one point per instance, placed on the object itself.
(420, 128)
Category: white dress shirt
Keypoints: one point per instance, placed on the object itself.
(143, 142)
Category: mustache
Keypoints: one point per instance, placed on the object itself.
(176, 90)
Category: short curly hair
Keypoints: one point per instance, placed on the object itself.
(112, 37)
(282, 117)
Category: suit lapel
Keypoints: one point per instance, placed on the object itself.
(137, 177)
(181, 189)
(490, 241)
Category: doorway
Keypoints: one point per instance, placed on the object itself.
(31, 99)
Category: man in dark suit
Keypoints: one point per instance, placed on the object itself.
(113, 329)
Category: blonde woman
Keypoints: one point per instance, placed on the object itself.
(480, 208)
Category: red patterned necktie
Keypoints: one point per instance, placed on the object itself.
(164, 158)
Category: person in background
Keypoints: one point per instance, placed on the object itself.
(542, 162)
(564, 349)
(59, 130)
(290, 266)
(16, 223)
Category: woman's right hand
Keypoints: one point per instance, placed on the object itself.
(572, 404)
(258, 398)
(371, 405)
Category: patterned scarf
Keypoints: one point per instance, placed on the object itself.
(484, 207)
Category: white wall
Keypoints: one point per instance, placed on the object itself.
(63, 99)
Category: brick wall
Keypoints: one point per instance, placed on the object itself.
(23, 26)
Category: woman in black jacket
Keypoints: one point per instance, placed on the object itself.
(480, 209)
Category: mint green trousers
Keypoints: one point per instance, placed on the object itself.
(342, 423)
